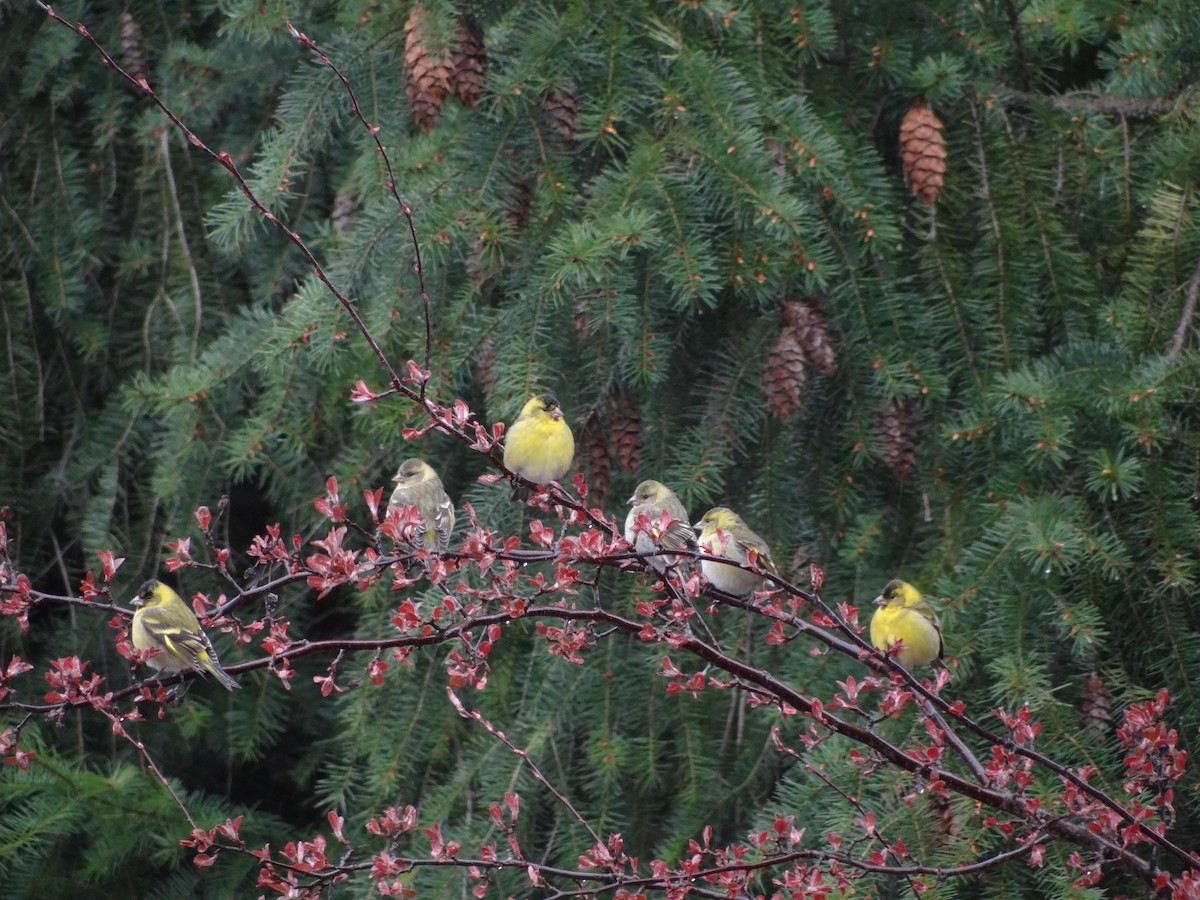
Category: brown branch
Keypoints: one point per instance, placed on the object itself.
(474, 715)
(855, 647)
(1186, 316)
(612, 881)
(1081, 102)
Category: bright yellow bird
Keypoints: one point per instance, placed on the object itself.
(654, 498)
(905, 618)
(723, 525)
(162, 621)
(418, 485)
(539, 445)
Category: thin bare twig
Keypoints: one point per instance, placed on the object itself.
(224, 160)
(373, 131)
(165, 143)
(474, 715)
(1076, 102)
(1186, 316)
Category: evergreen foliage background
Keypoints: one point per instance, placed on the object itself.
(163, 348)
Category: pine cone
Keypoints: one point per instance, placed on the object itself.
(558, 107)
(624, 421)
(470, 64)
(342, 213)
(1095, 711)
(427, 68)
(485, 365)
(473, 266)
(779, 158)
(898, 428)
(520, 203)
(599, 466)
(785, 376)
(133, 60)
(798, 567)
(812, 332)
(945, 822)
(922, 151)
(580, 309)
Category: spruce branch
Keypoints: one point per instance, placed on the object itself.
(224, 160)
(193, 277)
(373, 130)
(456, 420)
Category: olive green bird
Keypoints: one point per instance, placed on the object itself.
(721, 524)
(654, 498)
(905, 619)
(163, 622)
(539, 445)
(417, 484)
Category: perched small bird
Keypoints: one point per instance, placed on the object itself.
(418, 485)
(731, 579)
(905, 617)
(654, 498)
(163, 621)
(539, 445)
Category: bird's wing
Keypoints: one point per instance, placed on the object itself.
(679, 536)
(763, 555)
(931, 614)
(928, 612)
(183, 643)
(443, 521)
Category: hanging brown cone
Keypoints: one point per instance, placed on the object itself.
(923, 151)
(799, 569)
(133, 59)
(945, 821)
(812, 332)
(473, 269)
(581, 308)
(898, 427)
(341, 215)
(1095, 710)
(485, 365)
(624, 421)
(470, 64)
(779, 157)
(785, 377)
(599, 466)
(428, 68)
(558, 107)
(520, 203)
